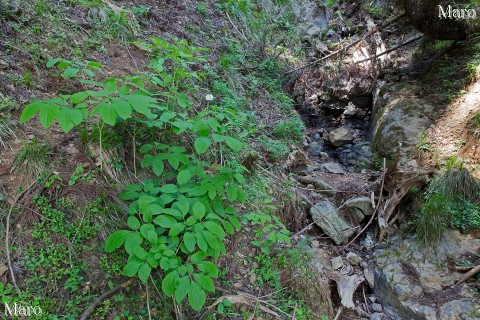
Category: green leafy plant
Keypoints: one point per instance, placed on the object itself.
(178, 218)
(271, 229)
(71, 68)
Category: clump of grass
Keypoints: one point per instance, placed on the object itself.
(33, 158)
(433, 219)
(452, 199)
(6, 133)
(456, 182)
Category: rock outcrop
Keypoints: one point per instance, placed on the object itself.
(417, 283)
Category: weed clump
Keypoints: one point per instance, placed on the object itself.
(452, 200)
(33, 158)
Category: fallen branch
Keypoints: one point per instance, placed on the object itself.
(345, 48)
(468, 275)
(392, 49)
(104, 296)
(460, 269)
(7, 234)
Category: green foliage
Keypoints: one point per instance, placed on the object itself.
(451, 200)
(50, 265)
(292, 129)
(79, 175)
(464, 215)
(275, 149)
(432, 219)
(423, 143)
(271, 229)
(71, 69)
(180, 217)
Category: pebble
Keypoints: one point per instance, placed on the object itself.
(337, 263)
(376, 316)
(376, 307)
(353, 259)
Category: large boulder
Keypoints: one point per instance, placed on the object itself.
(399, 117)
(327, 217)
(414, 281)
(340, 136)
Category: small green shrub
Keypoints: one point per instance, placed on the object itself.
(452, 200)
(290, 130)
(464, 215)
(275, 149)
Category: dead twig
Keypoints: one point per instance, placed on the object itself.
(104, 296)
(468, 275)
(7, 234)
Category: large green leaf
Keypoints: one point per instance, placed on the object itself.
(198, 209)
(202, 144)
(215, 228)
(158, 166)
(196, 296)
(209, 268)
(182, 289)
(116, 240)
(201, 242)
(132, 267)
(205, 282)
(64, 119)
(108, 113)
(30, 111)
(184, 177)
(169, 283)
(144, 272)
(78, 97)
(189, 240)
(233, 143)
(165, 221)
(133, 223)
(48, 114)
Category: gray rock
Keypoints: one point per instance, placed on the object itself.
(11, 8)
(324, 155)
(316, 136)
(340, 137)
(369, 276)
(332, 167)
(376, 316)
(353, 259)
(376, 307)
(326, 216)
(314, 148)
(360, 206)
(324, 186)
(337, 263)
(396, 290)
